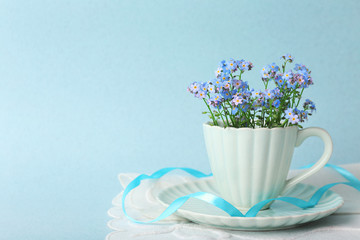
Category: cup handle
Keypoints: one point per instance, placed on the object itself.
(328, 148)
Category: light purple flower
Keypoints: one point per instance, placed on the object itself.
(294, 119)
(289, 113)
(236, 101)
(200, 94)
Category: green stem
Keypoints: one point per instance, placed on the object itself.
(271, 115)
(225, 113)
(232, 118)
(300, 97)
(285, 122)
(283, 66)
(293, 98)
(253, 119)
(249, 118)
(227, 122)
(212, 115)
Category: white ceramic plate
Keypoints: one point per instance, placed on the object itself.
(280, 215)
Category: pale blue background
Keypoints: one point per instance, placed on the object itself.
(89, 89)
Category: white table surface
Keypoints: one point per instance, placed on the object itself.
(142, 205)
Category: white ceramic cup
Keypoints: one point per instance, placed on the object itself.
(250, 165)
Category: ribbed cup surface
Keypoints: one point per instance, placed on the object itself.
(249, 165)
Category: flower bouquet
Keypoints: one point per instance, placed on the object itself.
(229, 98)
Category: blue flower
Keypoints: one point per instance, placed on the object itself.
(276, 103)
(244, 86)
(308, 104)
(224, 77)
(234, 110)
(204, 87)
(304, 79)
(224, 67)
(299, 67)
(238, 62)
(244, 107)
(222, 64)
(237, 83)
(268, 94)
(195, 87)
(217, 82)
(232, 65)
(265, 75)
(256, 94)
(217, 97)
(211, 88)
(279, 79)
(258, 103)
(294, 119)
(200, 94)
(292, 84)
(288, 57)
(289, 113)
(218, 72)
(303, 115)
(287, 75)
(226, 95)
(296, 111)
(218, 106)
(244, 65)
(269, 72)
(273, 67)
(265, 69)
(277, 93)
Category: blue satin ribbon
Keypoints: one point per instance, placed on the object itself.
(226, 206)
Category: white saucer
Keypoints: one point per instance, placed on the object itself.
(280, 215)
